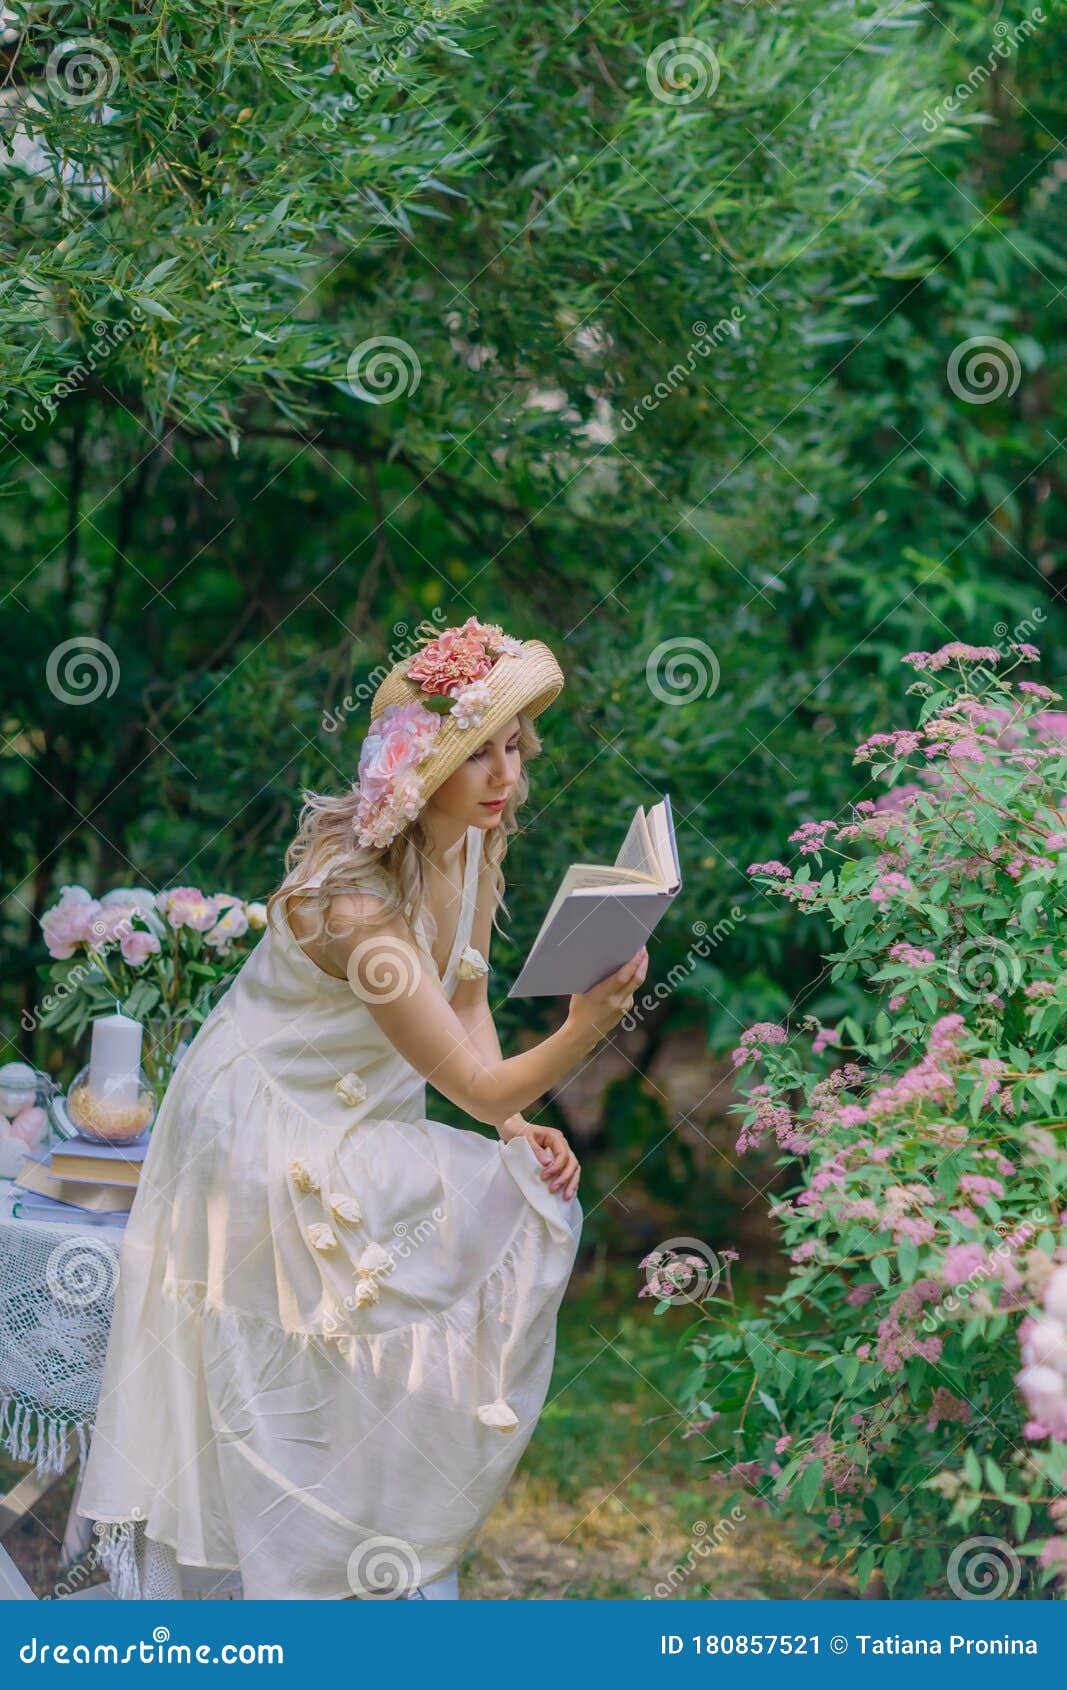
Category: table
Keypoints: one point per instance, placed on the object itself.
(57, 1285)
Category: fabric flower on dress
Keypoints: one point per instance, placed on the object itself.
(472, 965)
(322, 1235)
(345, 1207)
(366, 1292)
(375, 1262)
(499, 1415)
(302, 1177)
(350, 1089)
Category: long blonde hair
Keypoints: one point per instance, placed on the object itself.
(324, 840)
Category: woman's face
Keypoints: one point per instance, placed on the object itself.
(476, 793)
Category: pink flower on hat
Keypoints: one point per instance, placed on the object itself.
(452, 666)
(459, 656)
(389, 790)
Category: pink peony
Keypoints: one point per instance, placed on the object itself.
(66, 925)
(137, 946)
(399, 739)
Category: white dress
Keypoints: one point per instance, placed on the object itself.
(335, 1318)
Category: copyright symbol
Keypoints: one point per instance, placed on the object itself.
(838, 1645)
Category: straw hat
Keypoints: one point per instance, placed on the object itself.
(438, 706)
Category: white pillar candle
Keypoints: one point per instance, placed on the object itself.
(115, 1060)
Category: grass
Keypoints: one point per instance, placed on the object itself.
(609, 1501)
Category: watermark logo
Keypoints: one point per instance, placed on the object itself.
(382, 369)
(681, 669)
(983, 967)
(81, 670)
(681, 1270)
(984, 1569)
(81, 72)
(82, 1273)
(381, 970)
(382, 1568)
(682, 70)
(983, 369)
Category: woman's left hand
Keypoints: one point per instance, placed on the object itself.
(561, 1166)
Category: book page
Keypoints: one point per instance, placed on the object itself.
(637, 850)
(662, 839)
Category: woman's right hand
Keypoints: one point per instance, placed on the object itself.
(603, 1006)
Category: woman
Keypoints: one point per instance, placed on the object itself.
(335, 1318)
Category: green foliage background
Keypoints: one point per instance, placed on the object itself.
(500, 187)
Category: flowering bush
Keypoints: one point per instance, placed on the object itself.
(884, 1391)
(162, 955)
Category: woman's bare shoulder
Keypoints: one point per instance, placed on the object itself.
(328, 933)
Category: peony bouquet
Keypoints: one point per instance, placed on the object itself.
(165, 956)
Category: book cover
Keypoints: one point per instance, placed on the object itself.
(601, 915)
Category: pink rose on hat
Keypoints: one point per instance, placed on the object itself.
(389, 789)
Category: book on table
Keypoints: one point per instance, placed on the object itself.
(603, 913)
(34, 1206)
(82, 1159)
(35, 1176)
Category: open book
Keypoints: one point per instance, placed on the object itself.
(601, 916)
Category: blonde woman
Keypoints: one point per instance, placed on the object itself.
(335, 1318)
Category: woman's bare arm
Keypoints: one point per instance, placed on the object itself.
(387, 971)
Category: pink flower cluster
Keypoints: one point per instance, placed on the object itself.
(957, 652)
(890, 746)
(914, 956)
(812, 836)
(931, 1080)
(754, 1038)
(897, 1342)
(390, 791)
(1043, 1378)
(136, 920)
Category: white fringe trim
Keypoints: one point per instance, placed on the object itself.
(116, 1551)
(46, 1447)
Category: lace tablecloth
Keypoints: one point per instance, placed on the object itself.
(57, 1285)
(57, 1294)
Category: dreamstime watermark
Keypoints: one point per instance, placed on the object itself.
(681, 669)
(681, 1270)
(102, 928)
(983, 967)
(705, 943)
(81, 670)
(406, 1241)
(382, 969)
(701, 347)
(970, 1290)
(984, 1569)
(111, 335)
(409, 37)
(403, 646)
(1023, 631)
(81, 1273)
(682, 70)
(81, 71)
(1008, 36)
(382, 1568)
(983, 369)
(382, 369)
(703, 1543)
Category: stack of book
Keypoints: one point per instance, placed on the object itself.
(80, 1181)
